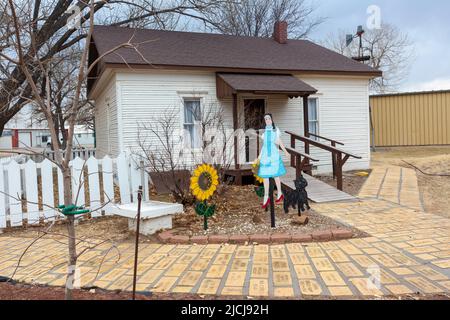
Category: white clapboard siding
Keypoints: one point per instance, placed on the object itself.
(14, 194)
(78, 182)
(108, 182)
(31, 191)
(124, 181)
(2, 199)
(48, 198)
(94, 185)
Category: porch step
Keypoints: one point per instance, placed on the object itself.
(318, 191)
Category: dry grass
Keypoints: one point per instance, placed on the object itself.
(395, 155)
(435, 190)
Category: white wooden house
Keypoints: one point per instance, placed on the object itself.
(185, 70)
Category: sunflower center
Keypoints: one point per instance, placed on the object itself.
(204, 181)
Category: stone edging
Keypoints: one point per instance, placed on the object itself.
(275, 238)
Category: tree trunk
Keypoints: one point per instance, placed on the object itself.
(72, 262)
(2, 127)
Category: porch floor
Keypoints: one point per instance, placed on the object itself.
(318, 191)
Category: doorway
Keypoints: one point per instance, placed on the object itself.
(254, 110)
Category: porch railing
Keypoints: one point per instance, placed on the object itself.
(339, 157)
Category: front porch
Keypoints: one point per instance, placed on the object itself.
(238, 85)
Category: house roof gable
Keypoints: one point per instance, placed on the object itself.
(207, 50)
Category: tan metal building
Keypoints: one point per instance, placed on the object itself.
(411, 119)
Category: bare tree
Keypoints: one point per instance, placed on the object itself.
(30, 65)
(63, 70)
(390, 50)
(256, 18)
(45, 34)
(168, 155)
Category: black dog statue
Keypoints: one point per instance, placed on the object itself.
(298, 197)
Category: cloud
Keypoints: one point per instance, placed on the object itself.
(433, 85)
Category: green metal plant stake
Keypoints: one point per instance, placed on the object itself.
(205, 210)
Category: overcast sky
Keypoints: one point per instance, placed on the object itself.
(426, 22)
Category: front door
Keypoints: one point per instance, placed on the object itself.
(254, 110)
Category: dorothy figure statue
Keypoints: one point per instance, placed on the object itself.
(270, 162)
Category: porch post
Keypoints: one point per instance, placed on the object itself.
(235, 127)
(305, 116)
(306, 127)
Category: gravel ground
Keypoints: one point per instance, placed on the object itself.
(239, 212)
(351, 182)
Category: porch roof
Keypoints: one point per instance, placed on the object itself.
(232, 83)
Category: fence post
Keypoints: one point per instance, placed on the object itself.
(14, 194)
(47, 188)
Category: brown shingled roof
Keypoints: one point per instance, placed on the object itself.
(188, 49)
(266, 82)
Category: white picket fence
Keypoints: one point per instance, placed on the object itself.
(77, 153)
(19, 184)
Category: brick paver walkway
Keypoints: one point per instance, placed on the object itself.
(394, 184)
(407, 251)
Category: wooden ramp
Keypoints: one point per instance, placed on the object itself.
(318, 191)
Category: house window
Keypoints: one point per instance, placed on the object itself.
(313, 116)
(44, 139)
(192, 123)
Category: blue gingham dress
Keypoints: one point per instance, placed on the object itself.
(271, 164)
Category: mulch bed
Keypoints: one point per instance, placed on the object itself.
(351, 182)
(239, 212)
(10, 291)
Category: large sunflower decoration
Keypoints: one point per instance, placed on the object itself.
(259, 190)
(204, 183)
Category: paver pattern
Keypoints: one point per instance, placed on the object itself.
(408, 251)
(395, 184)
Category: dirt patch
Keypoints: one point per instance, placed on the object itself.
(105, 228)
(395, 155)
(10, 291)
(435, 189)
(351, 181)
(239, 212)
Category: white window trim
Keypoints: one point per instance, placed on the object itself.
(187, 97)
(317, 113)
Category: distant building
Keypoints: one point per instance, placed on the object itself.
(41, 138)
(411, 119)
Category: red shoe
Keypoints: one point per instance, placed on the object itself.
(280, 199)
(266, 204)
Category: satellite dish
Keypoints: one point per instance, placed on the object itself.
(348, 39)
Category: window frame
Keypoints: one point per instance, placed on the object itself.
(183, 119)
(317, 120)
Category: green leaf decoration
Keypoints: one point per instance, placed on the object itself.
(259, 191)
(203, 209)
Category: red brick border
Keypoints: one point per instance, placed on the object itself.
(274, 238)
